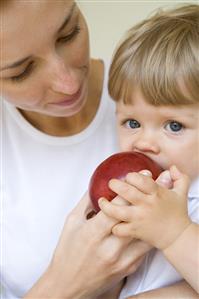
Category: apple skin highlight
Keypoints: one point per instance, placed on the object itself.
(118, 166)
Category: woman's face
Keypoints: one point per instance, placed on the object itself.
(44, 56)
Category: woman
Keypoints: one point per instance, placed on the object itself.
(57, 125)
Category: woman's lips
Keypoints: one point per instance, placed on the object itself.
(68, 100)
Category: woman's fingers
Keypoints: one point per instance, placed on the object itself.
(80, 212)
(132, 257)
(103, 221)
(117, 246)
(124, 230)
(84, 205)
(87, 242)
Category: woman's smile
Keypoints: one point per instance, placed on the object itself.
(69, 100)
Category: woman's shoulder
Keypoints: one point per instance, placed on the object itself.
(2, 109)
(97, 69)
(99, 74)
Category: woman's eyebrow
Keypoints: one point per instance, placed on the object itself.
(67, 19)
(21, 61)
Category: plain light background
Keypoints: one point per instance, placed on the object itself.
(108, 20)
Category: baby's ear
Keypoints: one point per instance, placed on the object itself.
(165, 179)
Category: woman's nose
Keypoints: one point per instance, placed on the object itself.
(147, 143)
(63, 79)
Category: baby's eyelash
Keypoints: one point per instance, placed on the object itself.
(174, 126)
(130, 124)
(124, 121)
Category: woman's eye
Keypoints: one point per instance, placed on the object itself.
(69, 36)
(132, 124)
(174, 126)
(24, 74)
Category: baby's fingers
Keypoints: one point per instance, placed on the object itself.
(165, 179)
(126, 190)
(121, 213)
(142, 182)
(181, 181)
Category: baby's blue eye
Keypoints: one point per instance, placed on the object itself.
(133, 124)
(174, 126)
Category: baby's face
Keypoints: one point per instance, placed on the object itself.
(168, 135)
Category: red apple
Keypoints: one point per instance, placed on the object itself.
(117, 166)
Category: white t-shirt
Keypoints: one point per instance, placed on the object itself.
(156, 271)
(43, 178)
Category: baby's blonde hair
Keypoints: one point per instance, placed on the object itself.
(161, 57)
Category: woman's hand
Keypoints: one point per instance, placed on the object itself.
(89, 259)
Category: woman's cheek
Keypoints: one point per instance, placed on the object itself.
(22, 96)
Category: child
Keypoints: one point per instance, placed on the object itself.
(154, 79)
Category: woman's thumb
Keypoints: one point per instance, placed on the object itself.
(83, 207)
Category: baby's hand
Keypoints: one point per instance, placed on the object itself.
(157, 215)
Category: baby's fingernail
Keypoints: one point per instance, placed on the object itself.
(111, 182)
(146, 172)
(101, 200)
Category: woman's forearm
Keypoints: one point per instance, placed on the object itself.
(51, 285)
(180, 290)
